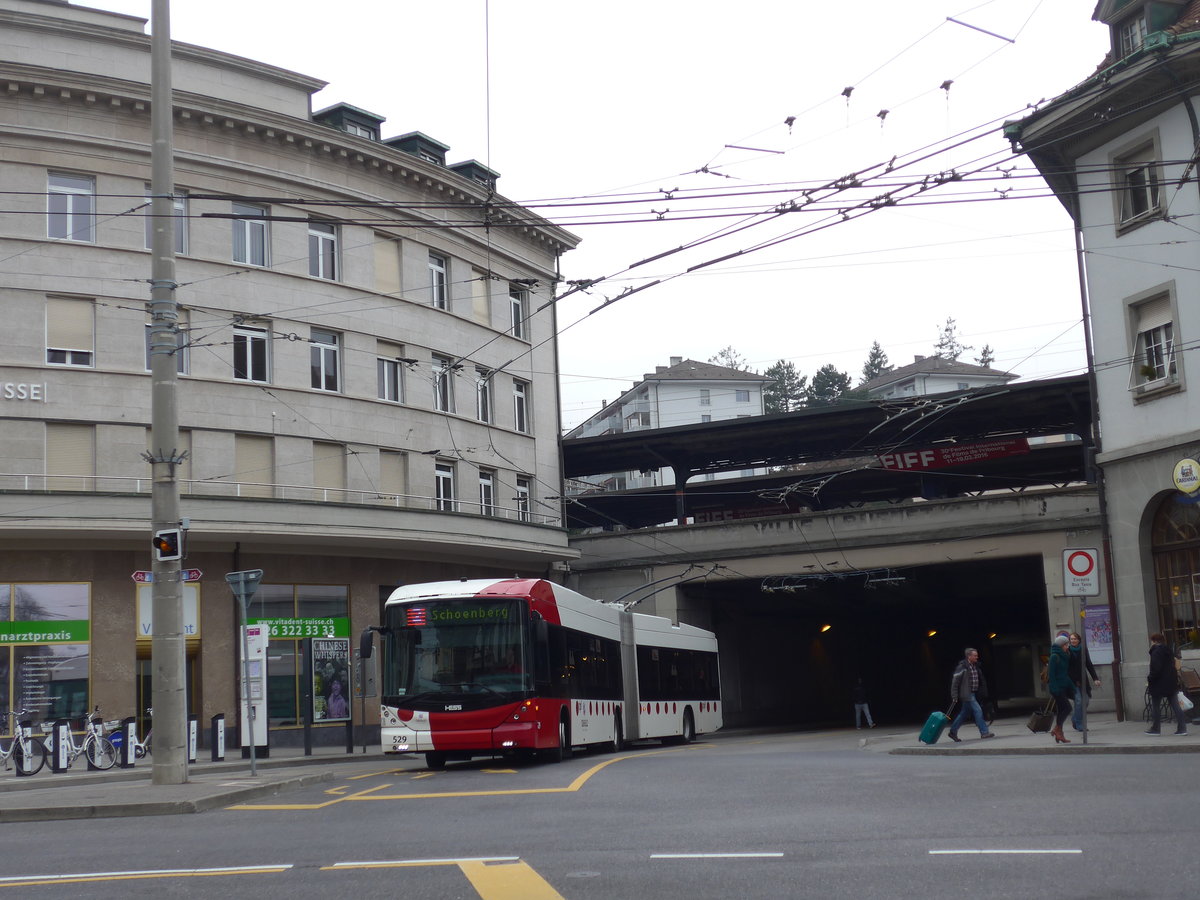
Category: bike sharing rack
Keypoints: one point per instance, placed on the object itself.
(24, 730)
(60, 733)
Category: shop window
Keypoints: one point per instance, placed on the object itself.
(1175, 536)
(45, 649)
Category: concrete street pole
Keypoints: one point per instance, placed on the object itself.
(168, 650)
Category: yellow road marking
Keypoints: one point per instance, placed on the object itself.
(424, 775)
(370, 793)
(337, 790)
(499, 771)
(36, 880)
(508, 881)
(377, 774)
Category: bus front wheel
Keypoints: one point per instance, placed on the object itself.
(563, 750)
(435, 761)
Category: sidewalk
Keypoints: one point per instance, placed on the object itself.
(1105, 735)
(80, 794)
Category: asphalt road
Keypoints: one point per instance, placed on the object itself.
(770, 816)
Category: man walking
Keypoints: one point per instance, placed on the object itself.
(861, 707)
(966, 686)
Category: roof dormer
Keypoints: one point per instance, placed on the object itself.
(1131, 22)
(476, 171)
(351, 120)
(421, 146)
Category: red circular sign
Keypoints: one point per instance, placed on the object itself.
(1080, 563)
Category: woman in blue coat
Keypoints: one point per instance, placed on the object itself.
(1058, 681)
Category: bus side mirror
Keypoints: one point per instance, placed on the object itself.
(366, 643)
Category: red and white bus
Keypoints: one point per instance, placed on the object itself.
(524, 666)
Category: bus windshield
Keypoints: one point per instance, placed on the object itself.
(467, 651)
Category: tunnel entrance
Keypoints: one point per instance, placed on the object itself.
(791, 655)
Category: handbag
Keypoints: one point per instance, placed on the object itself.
(1040, 721)
(1185, 702)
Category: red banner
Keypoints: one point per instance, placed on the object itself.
(953, 455)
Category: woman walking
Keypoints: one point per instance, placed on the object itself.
(1162, 684)
(1058, 681)
(1083, 690)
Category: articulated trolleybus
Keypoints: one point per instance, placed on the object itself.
(525, 666)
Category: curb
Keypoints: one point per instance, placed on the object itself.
(219, 798)
(1082, 750)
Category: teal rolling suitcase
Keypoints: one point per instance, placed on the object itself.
(934, 726)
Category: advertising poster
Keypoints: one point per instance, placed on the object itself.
(331, 679)
(1098, 634)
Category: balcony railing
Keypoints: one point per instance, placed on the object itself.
(248, 490)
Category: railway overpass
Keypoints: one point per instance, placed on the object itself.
(887, 537)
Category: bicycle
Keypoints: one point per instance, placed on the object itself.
(28, 752)
(99, 750)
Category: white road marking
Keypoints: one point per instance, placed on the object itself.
(977, 852)
(232, 870)
(421, 862)
(715, 855)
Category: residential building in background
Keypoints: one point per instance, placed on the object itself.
(933, 375)
(366, 397)
(686, 392)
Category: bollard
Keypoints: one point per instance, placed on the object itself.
(193, 737)
(24, 729)
(125, 741)
(216, 739)
(60, 735)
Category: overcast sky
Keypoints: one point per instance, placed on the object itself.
(586, 100)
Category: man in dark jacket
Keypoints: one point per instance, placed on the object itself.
(966, 687)
(1162, 682)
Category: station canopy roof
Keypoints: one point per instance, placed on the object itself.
(933, 446)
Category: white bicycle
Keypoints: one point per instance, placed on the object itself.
(99, 750)
(27, 752)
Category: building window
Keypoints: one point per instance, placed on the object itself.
(705, 417)
(254, 465)
(1131, 35)
(443, 481)
(359, 130)
(521, 405)
(741, 396)
(323, 360)
(322, 250)
(705, 397)
(518, 302)
(70, 457)
(177, 223)
(1138, 181)
(523, 499)
(181, 354)
(1154, 362)
(70, 332)
(1175, 549)
(250, 234)
(388, 371)
(483, 395)
(393, 476)
(329, 471)
(438, 297)
(71, 207)
(487, 493)
(443, 385)
(251, 356)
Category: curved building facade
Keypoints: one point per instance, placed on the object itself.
(367, 366)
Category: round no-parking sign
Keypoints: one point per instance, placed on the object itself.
(1081, 572)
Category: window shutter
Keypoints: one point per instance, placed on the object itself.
(391, 474)
(387, 265)
(253, 464)
(329, 469)
(69, 324)
(1153, 314)
(70, 450)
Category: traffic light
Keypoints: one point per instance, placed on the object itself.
(168, 544)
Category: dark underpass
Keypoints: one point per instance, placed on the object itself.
(791, 654)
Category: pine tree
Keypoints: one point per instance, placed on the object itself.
(730, 359)
(786, 390)
(948, 345)
(986, 356)
(876, 364)
(827, 387)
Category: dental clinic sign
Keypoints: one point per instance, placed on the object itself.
(21, 390)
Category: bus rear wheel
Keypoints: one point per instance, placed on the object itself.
(688, 734)
(435, 761)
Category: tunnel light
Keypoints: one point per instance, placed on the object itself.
(931, 632)
(825, 628)
(992, 636)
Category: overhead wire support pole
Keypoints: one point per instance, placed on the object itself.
(168, 659)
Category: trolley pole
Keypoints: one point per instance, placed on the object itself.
(168, 649)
